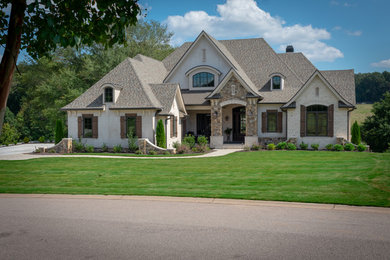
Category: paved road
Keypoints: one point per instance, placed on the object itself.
(13, 150)
(126, 228)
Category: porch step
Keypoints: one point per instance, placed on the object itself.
(233, 146)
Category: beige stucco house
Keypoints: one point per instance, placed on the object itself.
(207, 86)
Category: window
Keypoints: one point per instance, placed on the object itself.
(108, 95)
(203, 79)
(87, 127)
(272, 117)
(276, 82)
(131, 123)
(317, 120)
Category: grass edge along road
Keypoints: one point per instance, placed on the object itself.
(350, 178)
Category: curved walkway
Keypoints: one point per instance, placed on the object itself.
(25, 156)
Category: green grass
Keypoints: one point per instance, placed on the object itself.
(138, 155)
(361, 112)
(305, 176)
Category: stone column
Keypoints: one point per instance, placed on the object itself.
(251, 122)
(216, 138)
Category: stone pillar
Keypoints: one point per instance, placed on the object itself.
(216, 138)
(251, 122)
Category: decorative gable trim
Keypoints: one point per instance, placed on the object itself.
(202, 34)
(307, 84)
(231, 73)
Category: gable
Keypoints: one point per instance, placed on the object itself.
(194, 57)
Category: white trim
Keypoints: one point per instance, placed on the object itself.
(199, 69)
(281, 81)
(233, 101)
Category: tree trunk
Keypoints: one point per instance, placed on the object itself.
(11, 52)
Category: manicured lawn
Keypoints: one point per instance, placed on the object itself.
(138, 155)
(305, 176)
(361, 113)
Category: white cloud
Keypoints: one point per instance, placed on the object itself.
(243, 18)
(355, 33)
(382, 64)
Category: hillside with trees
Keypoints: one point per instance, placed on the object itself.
(370, 87)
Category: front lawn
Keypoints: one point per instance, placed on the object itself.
(305, 176)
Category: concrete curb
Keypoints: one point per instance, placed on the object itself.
(237, 202)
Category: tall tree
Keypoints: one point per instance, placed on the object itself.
(41, 26)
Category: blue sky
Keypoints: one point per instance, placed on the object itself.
(333, 34)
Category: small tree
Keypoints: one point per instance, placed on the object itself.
(160, 134)
(355, 131)
(59, 134)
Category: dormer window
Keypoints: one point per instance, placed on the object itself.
(108, 95)
(203, 80)
(276, 83)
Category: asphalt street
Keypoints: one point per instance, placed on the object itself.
(119, 228)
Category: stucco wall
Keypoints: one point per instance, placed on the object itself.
(326, 97)
(193, 59)
(263, 108)
(109, 126)
(170, 140)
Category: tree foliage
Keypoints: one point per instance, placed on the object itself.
(376, 128)
(160, 134)
(59, 131)
(370, 87)
(355, 131)
(49, 83)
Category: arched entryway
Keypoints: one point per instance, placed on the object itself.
(239, 124)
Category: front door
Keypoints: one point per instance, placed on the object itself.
(203, 125)
(239, 124)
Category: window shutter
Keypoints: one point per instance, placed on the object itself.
(171, 126)
(263, 122)
(138, 125)
(303, 121)
(280, 122)
(95, 127)
(175, 126)
(184, 126)
(80, 126)
(330, 120)
(123, 127)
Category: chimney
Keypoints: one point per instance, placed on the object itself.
(289, 48)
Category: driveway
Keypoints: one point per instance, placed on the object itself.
(126, 227)
(13, 150)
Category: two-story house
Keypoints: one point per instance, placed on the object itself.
(207, 86)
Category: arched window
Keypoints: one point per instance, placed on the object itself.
(203, 79)
(276, 82)
(317, 120)
(108, 95)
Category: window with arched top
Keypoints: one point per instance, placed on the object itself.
(203, 80)
(276, 82)
(317, 120)
(108, 95)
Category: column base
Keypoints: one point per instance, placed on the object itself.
(216, 141)
(251, 140)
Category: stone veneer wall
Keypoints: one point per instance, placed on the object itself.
(145, 146)
(251, 117)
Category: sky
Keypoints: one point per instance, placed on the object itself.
(333, 34)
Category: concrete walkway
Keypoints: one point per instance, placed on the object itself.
(25, 156)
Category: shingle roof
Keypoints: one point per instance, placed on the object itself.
(165, 93)
(343, 81)
(195, 98)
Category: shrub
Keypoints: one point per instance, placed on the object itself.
(201, 148)
(246, 148)
(167, 153)
(9, 134)
(78, 146)
(189, 140)
(26, 140)
(176, 145)
(89, 148)
(361, 147)
(195, 150)
(329, 147)
(41, 139)
(355, 131)
(104, 148)
(160, 134)
(183, 148)
(281, 146)
(349, 147)
(202, 140)
(138, 152)
(152, 152)
(315, 146)
(59, 134)
(271, 146)
(338, 147)
(132, 141)
(117, 148)
(291, 146)
(255, 147)
(303, 146)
